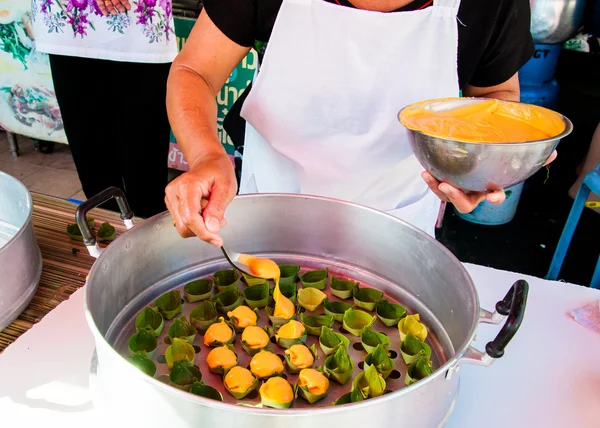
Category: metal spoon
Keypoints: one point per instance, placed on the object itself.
(234, 260)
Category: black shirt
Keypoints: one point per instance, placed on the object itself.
(494, 39)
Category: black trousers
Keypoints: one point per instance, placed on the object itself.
(115, 119)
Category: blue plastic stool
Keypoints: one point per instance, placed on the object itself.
(591, 183)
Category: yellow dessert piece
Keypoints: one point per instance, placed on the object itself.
(218, 332)
(255, 337)
(265, 364)
(485, 121)
(314, 381)
(239, 380)
(277, 390)
(243, 316)
(221, 357)
(300, 356)
(291, 330)
(410, 324)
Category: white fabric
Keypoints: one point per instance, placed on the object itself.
(588, 316)
(144, 34)
(327, 125)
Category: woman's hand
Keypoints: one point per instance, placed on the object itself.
(114, 7)
(467, 202)
(211, 178)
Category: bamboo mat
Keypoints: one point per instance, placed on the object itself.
(64, 268)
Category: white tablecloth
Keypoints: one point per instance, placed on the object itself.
(549, 376)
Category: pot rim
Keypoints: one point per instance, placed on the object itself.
(452, 361)
(22, 229)
(566, 132)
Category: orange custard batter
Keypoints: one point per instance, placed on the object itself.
(265, 364)
(278, 390)
(485, 121)
(300, 356)
(239, 379)
(314, 381)
(255, 337)
(221, 357)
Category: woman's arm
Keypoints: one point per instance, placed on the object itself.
(507, 91)
(197, 75)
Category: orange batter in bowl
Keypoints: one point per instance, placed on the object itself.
(482, 120)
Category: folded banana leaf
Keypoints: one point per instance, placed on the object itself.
(169, 304)
(204, 315)
(292, 368)
(315, 278)
(336, 309)
(221, 369)
(304, 392)
(253, 281)
(257, 296)
(227, 300)
(198, 290)
(339, 366)
(183, 375)
(74, 232)
(143, 342)
(330, 341)
(106, 232)
(418, 370)
(389, 313)
(412, 349)
(355, 320)
(314, 323)
(179, 350)
(353, 396)
(227, 280)
(182, 329)
(289, 274)
(310, 298)
(144, 364)
(279, 384)
(366, 298)
(411, 324)
(371, 338)
(203, 390)
(150, 319)
(370, 383)
(381, 360)
(342, 288)
(288, 290)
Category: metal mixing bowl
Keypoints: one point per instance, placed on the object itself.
(482, 166)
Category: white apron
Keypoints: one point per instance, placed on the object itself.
(322, 113)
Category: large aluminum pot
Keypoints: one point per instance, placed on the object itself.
(308, 228)
(20, 257)
(555, 21)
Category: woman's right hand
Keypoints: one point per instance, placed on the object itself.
(113, 7)
(211, 178)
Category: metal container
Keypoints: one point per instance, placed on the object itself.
(555, 21)
(20, 257)
(371, 246)
(481, 166)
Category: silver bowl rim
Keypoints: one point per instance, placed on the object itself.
(100, 340)
(568, 127)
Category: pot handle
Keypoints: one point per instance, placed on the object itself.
(512, 307)
(80, 216)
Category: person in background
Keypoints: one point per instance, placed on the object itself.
(110, 60)
(321, 115)
(591, 161)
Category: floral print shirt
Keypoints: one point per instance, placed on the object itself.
(145, 33)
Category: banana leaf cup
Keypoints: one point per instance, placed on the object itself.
(353, 396)
(204, 315)
(144, 364)
(180, 350)
(288, 290)
(222, 359)
(198, 290)
(252, 281)
(339, 366)
(289, 274)
(150, 319)
(336, 309)
(277, 393)
(370, 383)
(219, 333)
(342, 288)
(314, 323)
(355, 320)
(203, 390)
(315, 278)
(312, 385)
(143, 342)
(418, 370)
(106, 232)
(366, 298)
(381, 360)
(255, 339)
(227, 279)
(299, 357)
(240, 390)
(329, 341)
(370, 338)
(412, 349)
(182, 329)
(75, 233)
(290, 333)
(257, 296)
(169, 304)
(389, 313)
(183, 375)
(310, 298)
(227, 300)
(411, 324)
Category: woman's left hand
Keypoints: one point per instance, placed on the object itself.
(113, 7)
(466, 202)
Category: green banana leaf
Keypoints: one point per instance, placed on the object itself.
(354, 320)
(336, 309)
(411, 324)
(257, 296)
(253, 281)
(198, 290)
(371, 338)
(310, 298)
(370, 383)
(227, 280)
(295, 369)
(150, 319)
(182, 329)
(106, 232)
(183, 375)
(288, 290)
(342, 288)
(289, 275)
(353, 396)
(381, 360)
(315, 278)
(169, 304)
(306, 394)
(389, 313)
(179, 350)
(418, 370)
(366, 298)
(74, 232)
(144, 364)
(203, 390)
(339, 366)
(330, 341)
(227, 300)
(143, 342)
(412, 348)
(314, 323)
(204, 315)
